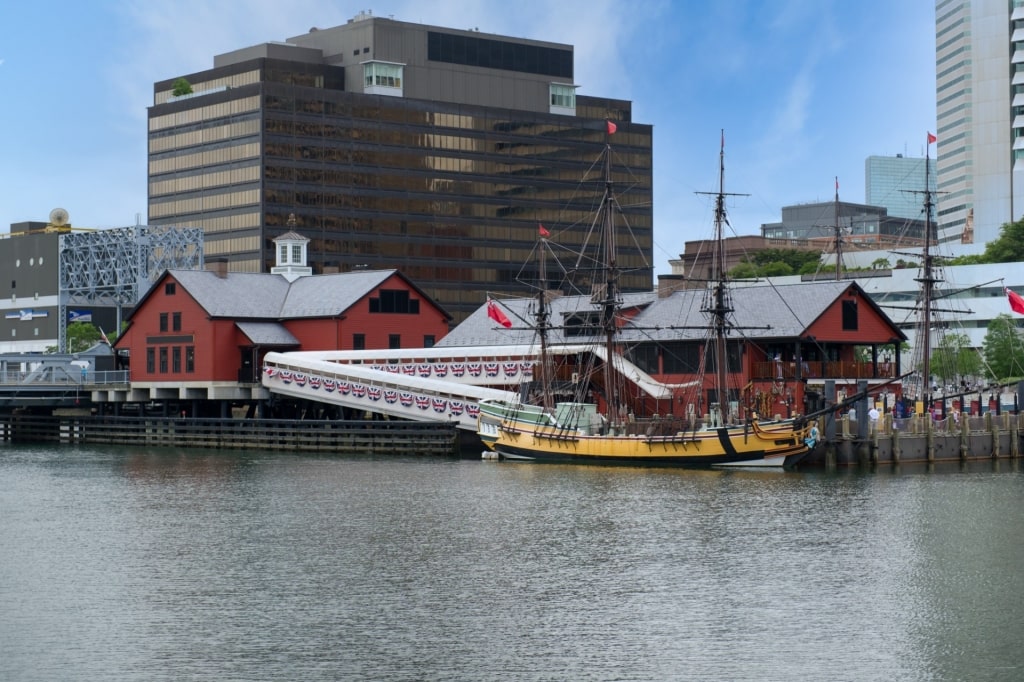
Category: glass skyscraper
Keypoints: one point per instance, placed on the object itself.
(897, 183)
(435, 151)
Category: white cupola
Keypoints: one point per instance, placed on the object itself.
(291, 253)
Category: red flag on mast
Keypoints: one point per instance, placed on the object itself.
(611, 127)
(931, 138)
(1016, 301)
(494, 312)
(543, 230)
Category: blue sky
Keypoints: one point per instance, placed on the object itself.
(805, 90)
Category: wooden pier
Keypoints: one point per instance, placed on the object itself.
(324, 436)
(921, 438)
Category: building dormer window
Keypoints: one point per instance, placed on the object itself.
(563, 98)
(382, 78)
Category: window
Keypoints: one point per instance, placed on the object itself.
(394, 340)
(359, 342)
(644, 356)
(151, 360)
(428, 340)
(850, 315)
(176, 322)
(394, 301)
(283, 254)
(163, 359)
(681, 357)
(176, 359)
(563, 96)
(296, 254)
(190, 359)
(163, 322)
(582, 324)
(169, 289)
(380, 75)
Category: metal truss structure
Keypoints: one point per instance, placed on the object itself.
(114, 268)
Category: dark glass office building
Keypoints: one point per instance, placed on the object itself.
(398, 145)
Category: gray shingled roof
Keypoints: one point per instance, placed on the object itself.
(245, 295)
(765, 312)
(480, 330)
(267, 333)
(759, 312)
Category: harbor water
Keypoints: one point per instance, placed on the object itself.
(126, 564)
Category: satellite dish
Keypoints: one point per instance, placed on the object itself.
(58, 217)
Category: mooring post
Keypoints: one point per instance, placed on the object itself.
(964, 436)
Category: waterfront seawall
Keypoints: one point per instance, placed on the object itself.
(329, 436)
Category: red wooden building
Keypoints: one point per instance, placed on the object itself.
(785, 343)
(200, 335)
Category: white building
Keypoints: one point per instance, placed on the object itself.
(979, 69)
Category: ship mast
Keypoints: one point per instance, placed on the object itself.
(839, 237)
(608, 298)
(722, 304)
(543, 322)
(719, 306)
(927, 281)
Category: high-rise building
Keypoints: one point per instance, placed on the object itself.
(979, 68)
(859, 224)
(435, 151)
(897, 183)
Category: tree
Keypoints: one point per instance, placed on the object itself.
(1002, 349)
(181, 87)
(1008, 247)
(743, 271)
(81, 336)
(955, 358)
(880, 264)
(776, 268)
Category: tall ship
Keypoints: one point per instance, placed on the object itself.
(594, 425)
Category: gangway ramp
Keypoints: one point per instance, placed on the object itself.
(426, 384)
(364, 387)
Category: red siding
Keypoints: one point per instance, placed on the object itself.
(871, 326)
(218, 343)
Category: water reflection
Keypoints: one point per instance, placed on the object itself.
(127, 564)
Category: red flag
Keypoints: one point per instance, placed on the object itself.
(931, 138)
(543, 231)
(494, 312)
(611, 127)
(1016, 301)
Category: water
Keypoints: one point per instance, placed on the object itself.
(120, 564)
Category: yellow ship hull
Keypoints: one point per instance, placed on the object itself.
(773, 445)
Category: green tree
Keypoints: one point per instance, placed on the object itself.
(810, 268)
(880, 264)
(181, 87)
(1003, 349)
(744, 270)
(1008, 247)
(954, 359)
(81, 336)
(776, 268)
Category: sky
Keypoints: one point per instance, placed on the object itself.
(804, 90)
